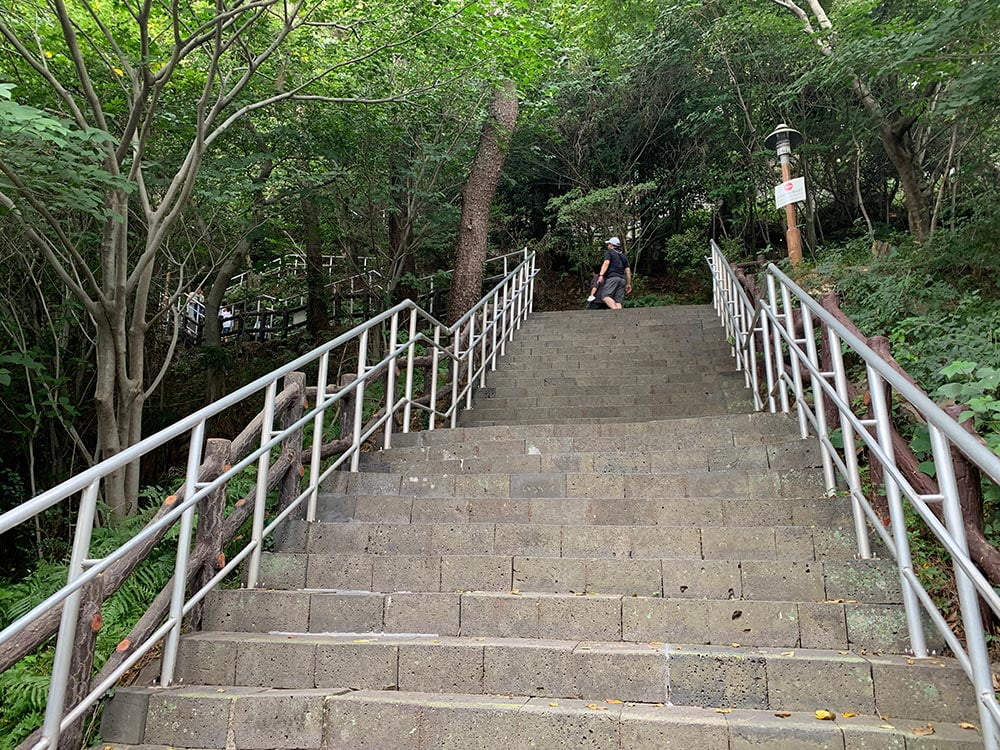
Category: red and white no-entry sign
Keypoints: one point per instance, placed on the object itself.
(793, 191)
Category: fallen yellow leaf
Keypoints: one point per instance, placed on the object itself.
(967, 725)
(788, 653)
(848, 714)
(843, 653)
(823, 715)
(735, 645)
(515, 591)
(887, 726)
(723, 710)
(612, 701)
(553, 704)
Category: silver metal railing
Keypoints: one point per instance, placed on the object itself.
(477, 339)
(766, 334)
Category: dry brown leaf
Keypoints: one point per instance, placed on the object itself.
(612, 701)
(848, 714)
(823, 715)
(783, 715)
(843, 653)
(967, 725)
(723, 710)
(924, 731)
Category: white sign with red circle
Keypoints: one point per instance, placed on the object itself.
(793, 191)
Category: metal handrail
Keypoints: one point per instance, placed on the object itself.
(784, 350)
(498, 314)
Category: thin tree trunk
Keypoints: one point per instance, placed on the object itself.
(477, 197)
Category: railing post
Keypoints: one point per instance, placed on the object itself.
(390, 381)
(456, 363)
(897, 519)
(211, 510)
(531, 283)
(288, 489)
(514, 301)
(471, 368)
(503, 320)
(172, 641)
(260, 493)
(819, 400)
(850, 452)
(765, 334)
(359, 401)
(315, 459)
(968, 598)
(63, 659)
(786, 304)
(495, 326)
(482, 348)
(434, 375)
(408, 406)
(779, 357)
(522, 296)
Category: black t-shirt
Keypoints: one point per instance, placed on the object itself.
(617, 265)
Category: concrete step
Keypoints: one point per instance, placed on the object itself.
(778, 456)
(665, 511)
(734, 429)
(599, 454)
(869, 581)
(602, 617)
(802, 543)
(213, 718)
(514, 388)
(732, 483)
(704, 676)
(606, 403)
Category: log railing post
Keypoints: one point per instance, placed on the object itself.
(292, 444)
(211, 511)
(82, 664)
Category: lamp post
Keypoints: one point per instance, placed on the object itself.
(783, 139)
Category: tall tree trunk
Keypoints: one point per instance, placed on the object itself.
(317, 307)
(908, 168)
(477, 197)
(211, 340)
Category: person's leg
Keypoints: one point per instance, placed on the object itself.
(610, 302)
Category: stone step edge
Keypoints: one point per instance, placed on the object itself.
(852, 584)
(356, 716)
(615, 617)
(705, 676)
(625, 427)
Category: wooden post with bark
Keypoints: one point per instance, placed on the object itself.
(208, 542)
(291, 446)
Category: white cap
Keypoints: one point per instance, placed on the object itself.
(613, 241)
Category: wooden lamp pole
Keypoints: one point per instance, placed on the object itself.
(782, 139)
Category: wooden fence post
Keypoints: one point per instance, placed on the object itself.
(292, 444)
(211, 510)
(82, 665)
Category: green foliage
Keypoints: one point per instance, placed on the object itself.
(978, 389)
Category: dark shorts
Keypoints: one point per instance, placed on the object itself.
(614, 287)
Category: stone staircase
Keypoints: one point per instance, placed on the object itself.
(612, 553)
